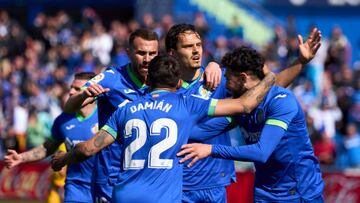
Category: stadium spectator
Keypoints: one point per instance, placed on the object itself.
(326, 114)
(352, 145)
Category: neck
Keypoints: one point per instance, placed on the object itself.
(87, 110)
(252, 83)
(189, 74)
(169, 89)
(141, 78)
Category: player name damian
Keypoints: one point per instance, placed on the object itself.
(151, 105)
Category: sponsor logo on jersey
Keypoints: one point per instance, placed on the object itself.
(69, 144)
(69, 127)
(123, 103)
(280, 96)
(128, 91)
(110, 71)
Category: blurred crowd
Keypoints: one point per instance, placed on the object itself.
(38, 60)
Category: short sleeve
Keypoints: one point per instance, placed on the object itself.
(200, 107)
(114, 125)
(105, 79)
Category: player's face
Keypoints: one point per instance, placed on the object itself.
(189, 50)
(76, 86)
(235, 83)
(142, 52)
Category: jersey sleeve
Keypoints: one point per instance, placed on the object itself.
(260, 151)
(200, 108)
(281, 110)
(56, 134)
(113, 125)
(209, 128)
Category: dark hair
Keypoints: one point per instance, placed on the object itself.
(164, 71)
(244, 59)
(84, 75)
(172, 37)
(144, 34)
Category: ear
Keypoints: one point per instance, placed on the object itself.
(266, 69)
(179, 84)
(244, 77)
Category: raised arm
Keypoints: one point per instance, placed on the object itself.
(83, 150)
(13, 159)
(307, 51)
(248, 101)
(83, 98)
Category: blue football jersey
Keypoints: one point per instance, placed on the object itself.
(292, 170)
(73, 129)
(151, 131)
(208, 172)
(124, 87)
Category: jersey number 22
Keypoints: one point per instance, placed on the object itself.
(154, 160)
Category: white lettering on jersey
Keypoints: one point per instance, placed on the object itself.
(151, 105)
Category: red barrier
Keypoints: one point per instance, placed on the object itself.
(342, 187)
(31, 181)
(26, 181)
(242, 191)
(339, 187)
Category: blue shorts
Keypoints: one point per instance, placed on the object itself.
(101, 193)
(77, 191)
(209, 195)
(319, 199)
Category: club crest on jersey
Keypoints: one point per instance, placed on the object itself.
(259, 116)
(97, 78)
(95, 128)
(204, 93)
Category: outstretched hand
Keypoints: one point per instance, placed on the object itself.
(57, 160)
(12, 158)
(310, 47)
(194, 151)
(94, 90)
